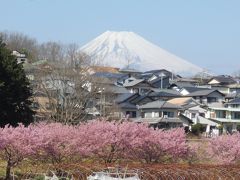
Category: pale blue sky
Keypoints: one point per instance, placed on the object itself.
(204, 32)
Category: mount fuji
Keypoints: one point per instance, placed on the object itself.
(129, 50)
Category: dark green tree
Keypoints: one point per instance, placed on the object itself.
(15, 92)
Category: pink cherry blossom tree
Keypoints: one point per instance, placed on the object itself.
(17, 144)
(155, 145)
(112, 141)
(105, 140)
(55, 142)
(225, 149)
(101, 140)
(174, 143)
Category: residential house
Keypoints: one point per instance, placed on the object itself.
(159, 82)
(158, 78)
(207, 96)
(128, 103)
(190, 106)
(221, 83)
(194, 111)
(233, 92)
(126, 107)
(21, 58)
(162, 72)
(162, 114)
(234, 88)
(143, 85)
(140, 86)
(228, 115)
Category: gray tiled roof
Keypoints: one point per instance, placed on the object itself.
(193, 89)
(224, 79)
(138, 99)
(123, 97)
(159, 104)
(164, 93)
(127, 105)
(202, 92)
(118, 90)
(171, 91)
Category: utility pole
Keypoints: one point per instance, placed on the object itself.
(161, 75)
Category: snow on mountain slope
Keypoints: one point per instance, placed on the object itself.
(127, 49)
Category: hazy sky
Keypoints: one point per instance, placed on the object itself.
(204, 32)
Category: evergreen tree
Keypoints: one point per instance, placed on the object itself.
(15, 92)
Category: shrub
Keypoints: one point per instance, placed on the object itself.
(197, 129)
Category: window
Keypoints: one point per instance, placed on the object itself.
(193, 115)
(168, 114)
(132, 114)
(148, 115)
(211, 99)
(235, 115)
(202, 114)
(220, 114)
(235, 105)
(155, 114)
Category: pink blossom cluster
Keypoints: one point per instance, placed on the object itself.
(101, 140)
(225, 149)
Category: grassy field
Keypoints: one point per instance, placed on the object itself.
(145, 171)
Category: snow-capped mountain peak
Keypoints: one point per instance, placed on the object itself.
(127, 49)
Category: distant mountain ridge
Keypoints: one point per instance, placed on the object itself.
(127, 49)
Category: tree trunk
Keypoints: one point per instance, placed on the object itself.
(8, 171)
